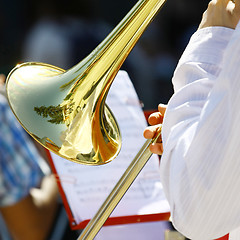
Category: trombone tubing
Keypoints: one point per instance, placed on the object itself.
(135, 167)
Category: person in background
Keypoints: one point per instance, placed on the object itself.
(29, 198)
(200, 164)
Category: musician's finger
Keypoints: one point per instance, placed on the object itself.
(156, 148)
(150, 131)
(155, 118)
(162, 108)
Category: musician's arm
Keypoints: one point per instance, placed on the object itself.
(200, 164)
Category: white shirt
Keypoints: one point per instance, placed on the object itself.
(200, 166)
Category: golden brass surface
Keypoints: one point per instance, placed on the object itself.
(65, 111)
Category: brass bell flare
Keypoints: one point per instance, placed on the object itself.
(65, 111)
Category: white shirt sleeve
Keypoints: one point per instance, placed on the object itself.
(200, 166)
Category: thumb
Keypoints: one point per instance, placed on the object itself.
(162, 108)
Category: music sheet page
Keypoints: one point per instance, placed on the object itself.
(86, 187)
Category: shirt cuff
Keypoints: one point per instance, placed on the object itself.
(207, 45)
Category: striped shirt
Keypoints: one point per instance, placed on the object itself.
(200, 166)
(20, 163)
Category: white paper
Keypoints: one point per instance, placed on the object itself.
(86, 187)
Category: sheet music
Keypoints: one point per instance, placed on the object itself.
(86, 187)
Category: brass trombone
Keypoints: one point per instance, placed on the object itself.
(65, 111)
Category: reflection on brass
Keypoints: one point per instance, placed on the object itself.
(53, 112)
(72, 115)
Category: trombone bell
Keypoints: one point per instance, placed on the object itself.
(65, 111)
(67, 117)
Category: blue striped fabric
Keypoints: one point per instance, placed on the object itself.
(19, 160)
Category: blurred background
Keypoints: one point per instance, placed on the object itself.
(64, 32)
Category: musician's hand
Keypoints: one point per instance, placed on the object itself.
(223, 13)
(155, 120)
